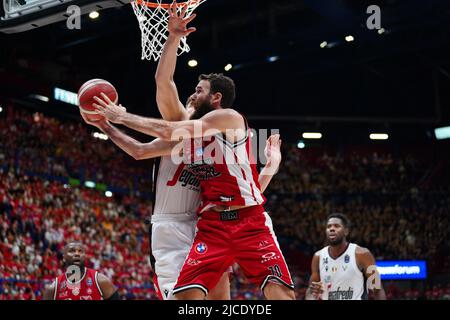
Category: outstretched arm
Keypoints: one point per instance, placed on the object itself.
(219, 120)
(134, 148)
(167, 98)
(273, 156)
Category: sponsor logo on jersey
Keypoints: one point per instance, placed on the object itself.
(188, 178)
(226, 198)
(264, 245)
(347, 258)
(269, 256)
(76, 291)
(193, 262)
(229, 215)
(89, 282)
(341, 294)
(201, 248)
(203, 170)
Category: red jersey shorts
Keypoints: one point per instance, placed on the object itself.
(243, 236)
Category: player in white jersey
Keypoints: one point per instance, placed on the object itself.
(176, 196)
(343, 270)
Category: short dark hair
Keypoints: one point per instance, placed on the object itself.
(78, 243)
(343, 217)
(222, 84)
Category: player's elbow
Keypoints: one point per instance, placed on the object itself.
(139, 153)
(137, 156)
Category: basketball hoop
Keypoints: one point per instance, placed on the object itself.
(153, 17)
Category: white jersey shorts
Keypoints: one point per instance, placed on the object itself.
(172, 236)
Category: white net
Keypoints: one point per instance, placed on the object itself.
(153, 18)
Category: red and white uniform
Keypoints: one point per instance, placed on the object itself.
(87, 288)
(227, 171)
(228, 176)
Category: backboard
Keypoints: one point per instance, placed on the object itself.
(23, 15)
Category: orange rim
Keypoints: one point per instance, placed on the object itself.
(163, 5)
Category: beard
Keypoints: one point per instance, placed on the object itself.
(336, 241)
(203, 108)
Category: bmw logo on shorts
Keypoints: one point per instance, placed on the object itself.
(201, 247)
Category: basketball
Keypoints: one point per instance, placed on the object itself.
(88, 91)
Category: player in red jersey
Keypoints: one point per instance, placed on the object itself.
(79, 282)
(233, 225)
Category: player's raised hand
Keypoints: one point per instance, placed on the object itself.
(272, 150)
(109, 109)
(178, 22)
(98, 123)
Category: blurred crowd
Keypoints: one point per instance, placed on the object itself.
(35, 144)
(37, 218)
(391, 213)
(395, 208)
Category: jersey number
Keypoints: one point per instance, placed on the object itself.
(275, 270)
